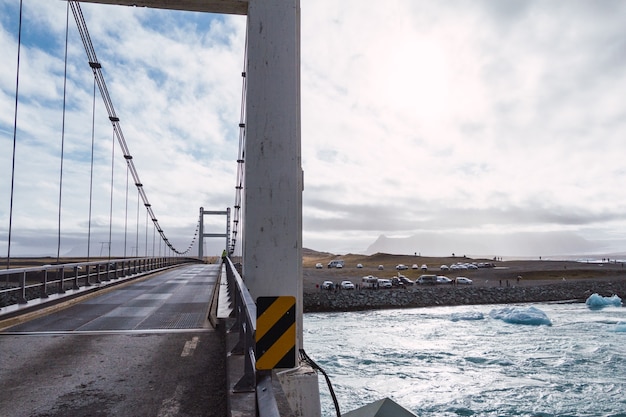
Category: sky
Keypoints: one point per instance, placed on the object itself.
(461, 118)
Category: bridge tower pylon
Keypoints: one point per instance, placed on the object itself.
(202, 235)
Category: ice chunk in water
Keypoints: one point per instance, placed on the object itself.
(620, 327)
(521, 315)
(468, 315)
(598, 301)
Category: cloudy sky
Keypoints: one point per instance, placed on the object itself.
(461, 118)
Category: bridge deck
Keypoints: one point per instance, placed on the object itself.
(145, 349)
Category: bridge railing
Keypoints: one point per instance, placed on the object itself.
(21, 285)
(245, 312)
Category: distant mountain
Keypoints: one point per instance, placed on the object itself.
(489, 245)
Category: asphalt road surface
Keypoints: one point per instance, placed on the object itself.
(142, 350)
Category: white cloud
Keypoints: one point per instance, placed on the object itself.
(416, 116)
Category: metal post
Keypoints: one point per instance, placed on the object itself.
(201, 235)
(60, 278)
(21, 299)
(76, 286)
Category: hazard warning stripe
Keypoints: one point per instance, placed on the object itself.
(281, 354)
(275, 332)
(269, 314)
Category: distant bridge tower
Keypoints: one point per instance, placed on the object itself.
(203, 235)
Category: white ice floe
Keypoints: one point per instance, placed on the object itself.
(521, 315)
(620, 327)
(598, 301)
(467, 315)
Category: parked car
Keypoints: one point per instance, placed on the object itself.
(401, 267)
(337, 263)
(444, 268)
(414, 266)
(427, 279)
(405, 280)
(443, 280)
(384, 283)
(319, 266)
(347, 285)
(424, 267)
(328, 285)
(463, 280)
(380, 267)
(369, 281)
(359, 265)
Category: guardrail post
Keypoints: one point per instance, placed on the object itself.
(21, 299)
(60, 278)
(44, 285)
(87, 275)
(76, 286)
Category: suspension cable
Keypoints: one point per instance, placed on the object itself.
(93, 141)
(114, 119)
(240, 156)
(67, 29)
(111, 203)
(17, 85)
(126, 212)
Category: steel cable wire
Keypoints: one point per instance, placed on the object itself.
(60, 206)
(17, 84)
(96, 68)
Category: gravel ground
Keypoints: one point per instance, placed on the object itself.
(508, 282)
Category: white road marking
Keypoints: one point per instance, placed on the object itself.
(171, 406)
(190, 346)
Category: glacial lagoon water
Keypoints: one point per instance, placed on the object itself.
(464, 361)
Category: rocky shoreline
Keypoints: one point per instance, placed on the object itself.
(419, 296)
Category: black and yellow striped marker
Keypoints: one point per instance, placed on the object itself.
(275, 332)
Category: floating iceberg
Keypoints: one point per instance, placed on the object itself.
(620, 327)
(521, 315)
(468, 315)
(598, 301)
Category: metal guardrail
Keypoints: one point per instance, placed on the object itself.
(20, 285)
(245, 312)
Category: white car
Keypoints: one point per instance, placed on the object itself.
(347, 285)
(380, 267)
(359, 265)
(401, 267)
(319, 266)
(444, 267)
(424, 267)
(328, 285)
(443, 280)
(415, 266)
(384, 283)
(463, 280)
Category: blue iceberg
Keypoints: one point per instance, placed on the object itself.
(521, 315)
(469, 315)
(597, 301)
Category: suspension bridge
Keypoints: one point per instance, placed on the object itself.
(128, 323)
